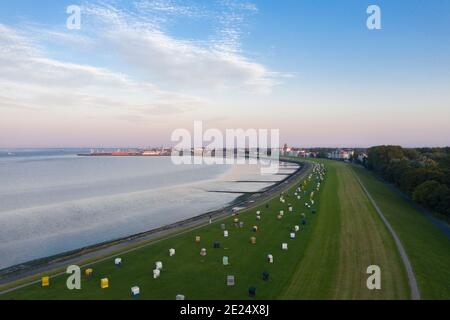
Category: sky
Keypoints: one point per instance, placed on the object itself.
(137, 70)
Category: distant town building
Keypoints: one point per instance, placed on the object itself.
(362, 157)
(341, 154)
(289, 151)
(151, 153)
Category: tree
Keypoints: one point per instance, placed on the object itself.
(413, 177)
(322, 155)
(380, 157)
(433, 195)
(422, 173)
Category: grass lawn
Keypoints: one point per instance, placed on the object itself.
(347, 238)
(427, 247)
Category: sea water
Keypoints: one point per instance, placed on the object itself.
(52, 201)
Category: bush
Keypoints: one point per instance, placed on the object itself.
(423, 173)
(433, 195)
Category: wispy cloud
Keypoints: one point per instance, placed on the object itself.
(150, 72)
(141, 40)
(162, 10)
(29, 79)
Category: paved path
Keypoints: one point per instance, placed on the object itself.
(107, 251)
(415, 293)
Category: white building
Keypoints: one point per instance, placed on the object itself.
(340, 154)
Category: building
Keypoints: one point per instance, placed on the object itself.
(362, 157)
(340, 154)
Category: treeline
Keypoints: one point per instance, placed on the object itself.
(424, 174)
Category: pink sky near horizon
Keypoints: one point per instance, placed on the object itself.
(129, 80)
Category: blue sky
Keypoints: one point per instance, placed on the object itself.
(310, 68)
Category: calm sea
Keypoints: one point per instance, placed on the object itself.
(52, 201)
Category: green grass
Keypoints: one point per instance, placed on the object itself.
(427, 247)
(313, 278)
(347, 238)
